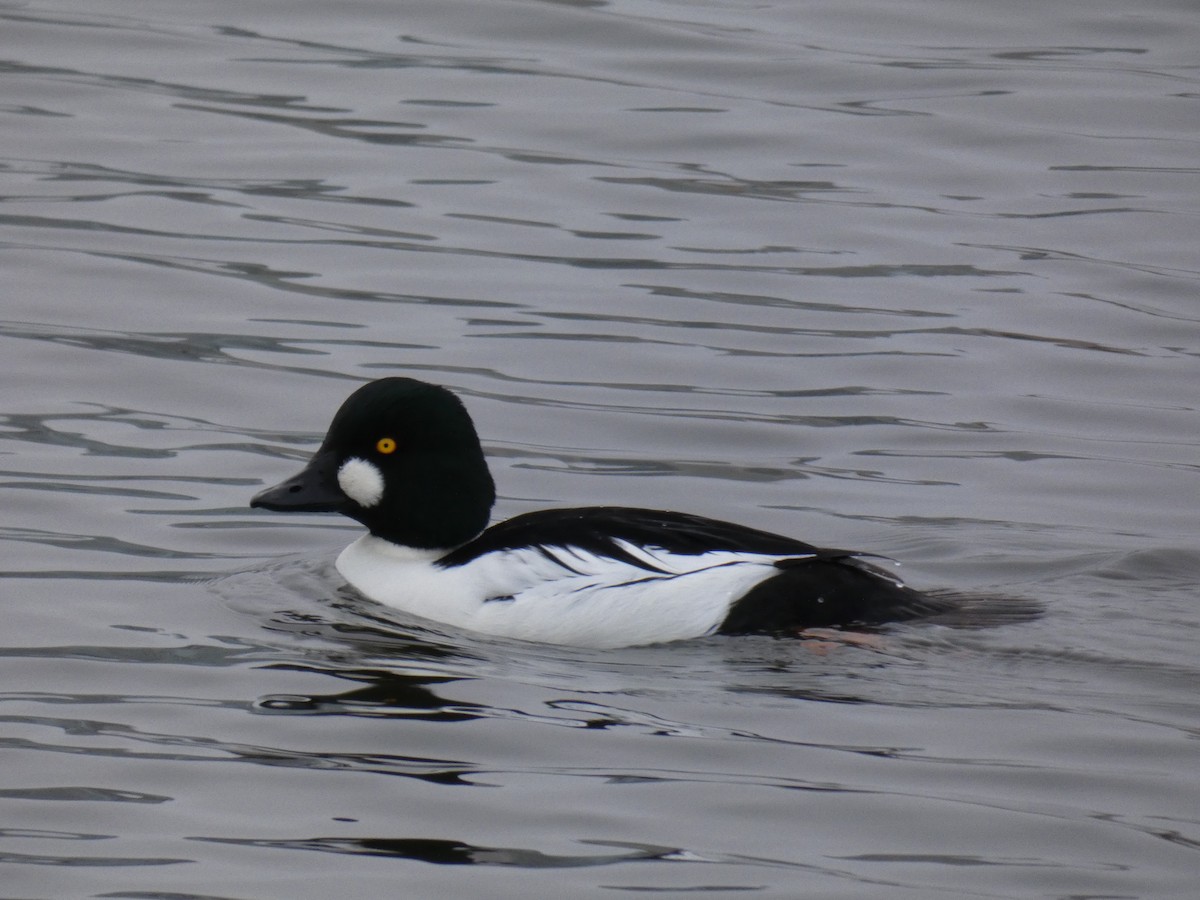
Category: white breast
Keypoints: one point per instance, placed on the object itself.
(560, 595)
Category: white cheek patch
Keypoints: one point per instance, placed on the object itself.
(361, 481)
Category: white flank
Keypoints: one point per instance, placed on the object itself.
(560, 595)
(361, 481)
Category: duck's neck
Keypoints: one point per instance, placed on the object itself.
(445, 507)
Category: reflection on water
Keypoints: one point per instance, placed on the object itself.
(925, 287)
(456, 853)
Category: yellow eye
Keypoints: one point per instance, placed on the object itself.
(385, 445)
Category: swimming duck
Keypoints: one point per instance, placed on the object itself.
(402, 457)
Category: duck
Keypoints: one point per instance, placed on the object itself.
(402, 458)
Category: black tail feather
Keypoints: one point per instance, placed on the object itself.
(843, 591)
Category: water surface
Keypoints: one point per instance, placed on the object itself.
(915, 277)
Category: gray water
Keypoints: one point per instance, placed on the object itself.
(916, 277)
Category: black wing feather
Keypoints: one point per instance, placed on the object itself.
(596, 529)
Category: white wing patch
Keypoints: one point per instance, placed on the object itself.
(563, 595)
(361, 481)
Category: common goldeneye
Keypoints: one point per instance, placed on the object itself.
(402, 457)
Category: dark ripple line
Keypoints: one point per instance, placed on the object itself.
(31, 859)
(309, 189)
(862, 333)
(782, 302)
(347, 128)
(37, 428)
(448, 852)
(1040, 253)
(84, 575)
(101, 543)
(196, 347)
(264, 275)
(80, 794)
(196, 749)
(458, 853)
(153, 86)
(207, 655)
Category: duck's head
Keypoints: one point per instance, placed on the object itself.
(401, 457)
